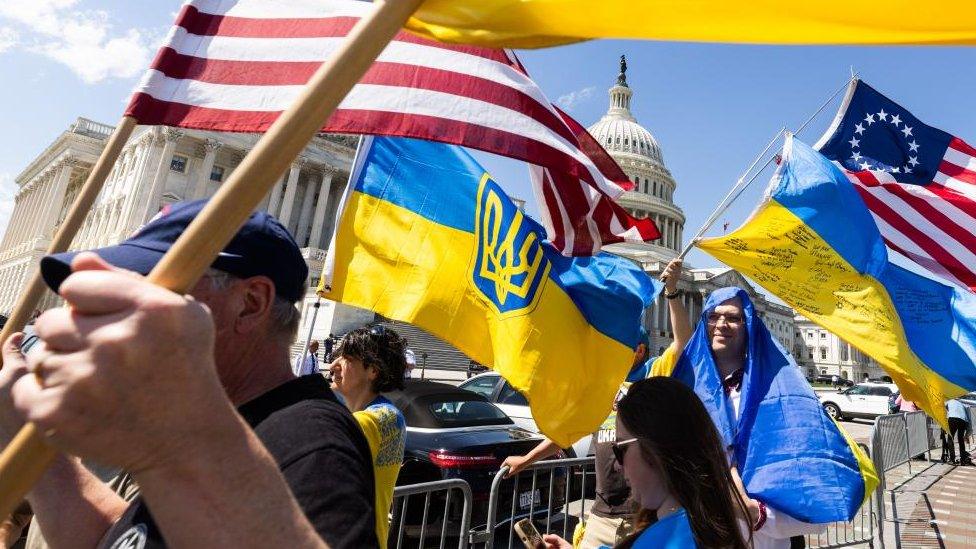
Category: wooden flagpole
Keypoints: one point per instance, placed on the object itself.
(69, 227)
(27, 456)
(33, 465)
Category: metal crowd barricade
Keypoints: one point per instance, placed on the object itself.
(897, 439)
(441, 526)
(889, 443)
(857, 531)
(918, 433)
(557, 513)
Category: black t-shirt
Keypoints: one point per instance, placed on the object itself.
(322, 454)
(612, 491)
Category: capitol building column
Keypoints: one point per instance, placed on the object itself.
(59, 186)
(321, 207)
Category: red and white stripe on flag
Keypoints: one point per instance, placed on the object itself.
(236, 65)
(935, 224)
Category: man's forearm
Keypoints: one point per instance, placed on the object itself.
(228, 492)
(680, 324)
(73, 507)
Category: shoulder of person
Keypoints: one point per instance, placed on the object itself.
(308, 426)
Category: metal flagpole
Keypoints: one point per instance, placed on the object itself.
(308, 339)
(742, 183)
(318, 300)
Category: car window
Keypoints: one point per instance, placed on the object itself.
(467, 413)
(881, 391)
(858, 390)
(484, 386)
(509, 395)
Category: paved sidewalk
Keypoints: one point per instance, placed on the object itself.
(934, 508)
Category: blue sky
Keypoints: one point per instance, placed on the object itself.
(711, 107)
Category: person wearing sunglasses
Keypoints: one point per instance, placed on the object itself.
(611, 517)
(670, 453)
(369, 362)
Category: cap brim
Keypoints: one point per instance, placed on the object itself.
(57, 267)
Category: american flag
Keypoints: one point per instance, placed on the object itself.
(918, 181)
(236, 65)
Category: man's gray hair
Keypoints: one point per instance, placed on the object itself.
(285, 316)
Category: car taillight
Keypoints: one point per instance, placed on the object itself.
(446, 460)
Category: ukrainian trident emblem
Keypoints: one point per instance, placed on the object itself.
(509, 265)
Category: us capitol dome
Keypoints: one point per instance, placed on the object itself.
(637, 151)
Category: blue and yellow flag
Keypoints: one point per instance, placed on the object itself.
(814, 244)
(427, 237)
(543, 23)
(791, 455)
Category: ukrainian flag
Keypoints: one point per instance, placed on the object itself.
(814, 244)
(425, 236)
(789, 452)
(543, 23)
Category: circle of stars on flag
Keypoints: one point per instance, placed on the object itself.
(866, 125)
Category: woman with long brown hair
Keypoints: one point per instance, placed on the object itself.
(671, 456)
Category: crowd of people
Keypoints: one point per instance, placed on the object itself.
(195, 400)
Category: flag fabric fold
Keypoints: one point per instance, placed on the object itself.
(791, 455)
(472, 269)
(543, 23)
(235, 65)
(919, 182)
(814, 244)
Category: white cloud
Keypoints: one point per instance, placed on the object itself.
(84, 40)
(7, 191)
(570, 100)
(8, 38)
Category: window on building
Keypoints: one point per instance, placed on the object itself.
(823, 335)
(178, 163)
(809, 335)
(810, 354)
(845, 351)
(823, 353)
(217, 174)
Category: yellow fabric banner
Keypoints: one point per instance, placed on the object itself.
(544, 23)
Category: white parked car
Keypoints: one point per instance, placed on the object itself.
(494, 387)
(864, 400)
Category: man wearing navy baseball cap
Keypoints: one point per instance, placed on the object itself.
(134, 376)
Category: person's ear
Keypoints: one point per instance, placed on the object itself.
(256, 296)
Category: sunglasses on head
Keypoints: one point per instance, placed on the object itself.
(620, 449)
(377, 330)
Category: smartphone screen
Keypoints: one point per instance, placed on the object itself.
(529, 535)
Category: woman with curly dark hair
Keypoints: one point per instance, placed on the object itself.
(679, 476)
(368, 362)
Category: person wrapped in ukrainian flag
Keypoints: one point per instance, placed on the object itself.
(798, 468)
